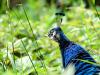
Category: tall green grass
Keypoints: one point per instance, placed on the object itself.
(24, 48)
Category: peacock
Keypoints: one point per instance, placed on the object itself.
(74, 53)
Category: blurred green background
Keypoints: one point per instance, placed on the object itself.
(24, 25)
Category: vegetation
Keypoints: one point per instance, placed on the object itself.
(24, 45)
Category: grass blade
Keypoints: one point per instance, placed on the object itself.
(29, 57)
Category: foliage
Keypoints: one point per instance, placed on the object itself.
(17, 41)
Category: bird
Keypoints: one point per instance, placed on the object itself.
(74, 53)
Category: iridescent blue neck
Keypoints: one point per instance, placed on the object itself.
(64, 41)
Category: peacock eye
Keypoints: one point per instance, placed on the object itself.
(52, 31)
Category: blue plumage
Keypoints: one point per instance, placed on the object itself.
(74, 53)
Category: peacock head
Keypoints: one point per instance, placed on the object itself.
(56, 34)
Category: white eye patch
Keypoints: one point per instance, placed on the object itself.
(53, 35)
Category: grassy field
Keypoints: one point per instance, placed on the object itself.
(25, 46)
